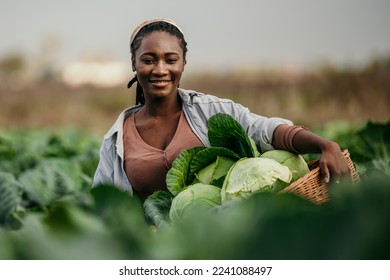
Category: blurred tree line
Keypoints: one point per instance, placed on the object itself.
(12, 68)
(35, 96)
(314, 96)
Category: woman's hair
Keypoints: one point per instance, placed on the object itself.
(136, 42)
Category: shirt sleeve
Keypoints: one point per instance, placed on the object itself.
(283, 137)
(259, 128)
(104, 173)
(262, 129)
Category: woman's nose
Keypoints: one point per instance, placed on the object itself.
(160, 68)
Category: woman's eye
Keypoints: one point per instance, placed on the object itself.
(148, 61)
(171, 60)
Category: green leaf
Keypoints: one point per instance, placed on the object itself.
(157, 208)
(225, 131)
(110, 203)
(215, 172)
(296, 163)
(252, 175)
(52, 179)
(10, 197)
(371, 142)
(209, 155)
(124, 215)
(7, 149)
(194, 200)
(179, 176)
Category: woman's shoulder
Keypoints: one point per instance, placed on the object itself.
(191, 96)
(117, 127)
(207, 105)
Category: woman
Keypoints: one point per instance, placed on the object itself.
(139, 149)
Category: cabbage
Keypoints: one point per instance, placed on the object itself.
(157, 207)
(179, 175)
(225, 131)
(215, 172)
(193, 199)
(251, 175)
(199, 165)
(296, 163)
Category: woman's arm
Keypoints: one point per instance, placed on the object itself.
(332, 161)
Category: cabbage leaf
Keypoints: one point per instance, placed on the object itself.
(194, 200)
(225, 131)
(215, 173)
(179, 176)
(251, 175)
(296, 163)
(157, 207)
(10, 196)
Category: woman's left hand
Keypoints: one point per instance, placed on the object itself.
(333, 163)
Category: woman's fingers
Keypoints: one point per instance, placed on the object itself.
(325, 171)
(334, 167)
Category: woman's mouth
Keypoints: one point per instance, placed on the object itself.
(160, 82)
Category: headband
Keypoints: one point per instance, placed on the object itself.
(147, 22)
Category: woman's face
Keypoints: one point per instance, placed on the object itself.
(159, 64)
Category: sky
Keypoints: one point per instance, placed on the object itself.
(220, 34)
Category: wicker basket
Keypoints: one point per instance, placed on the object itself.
(312, 186)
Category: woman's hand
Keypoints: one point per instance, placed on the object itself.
(333, 163)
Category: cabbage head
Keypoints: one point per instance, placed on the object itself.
(296, 163)
(192, 200)
(215, 172)
(251, 175)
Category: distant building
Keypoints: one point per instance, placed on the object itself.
(96, 73)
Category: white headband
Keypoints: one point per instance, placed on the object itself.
(147, 22)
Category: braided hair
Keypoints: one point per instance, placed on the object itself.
(155, 26)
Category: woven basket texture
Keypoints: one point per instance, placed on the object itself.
(312, 186)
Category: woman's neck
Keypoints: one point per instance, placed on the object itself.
(161, 107)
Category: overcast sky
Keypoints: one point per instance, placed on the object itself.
(219, 33)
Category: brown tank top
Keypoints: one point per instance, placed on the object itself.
(146, 166)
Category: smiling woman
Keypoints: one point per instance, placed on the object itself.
(138, 151)
(174, 56)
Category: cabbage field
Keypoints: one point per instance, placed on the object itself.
(49, 211)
